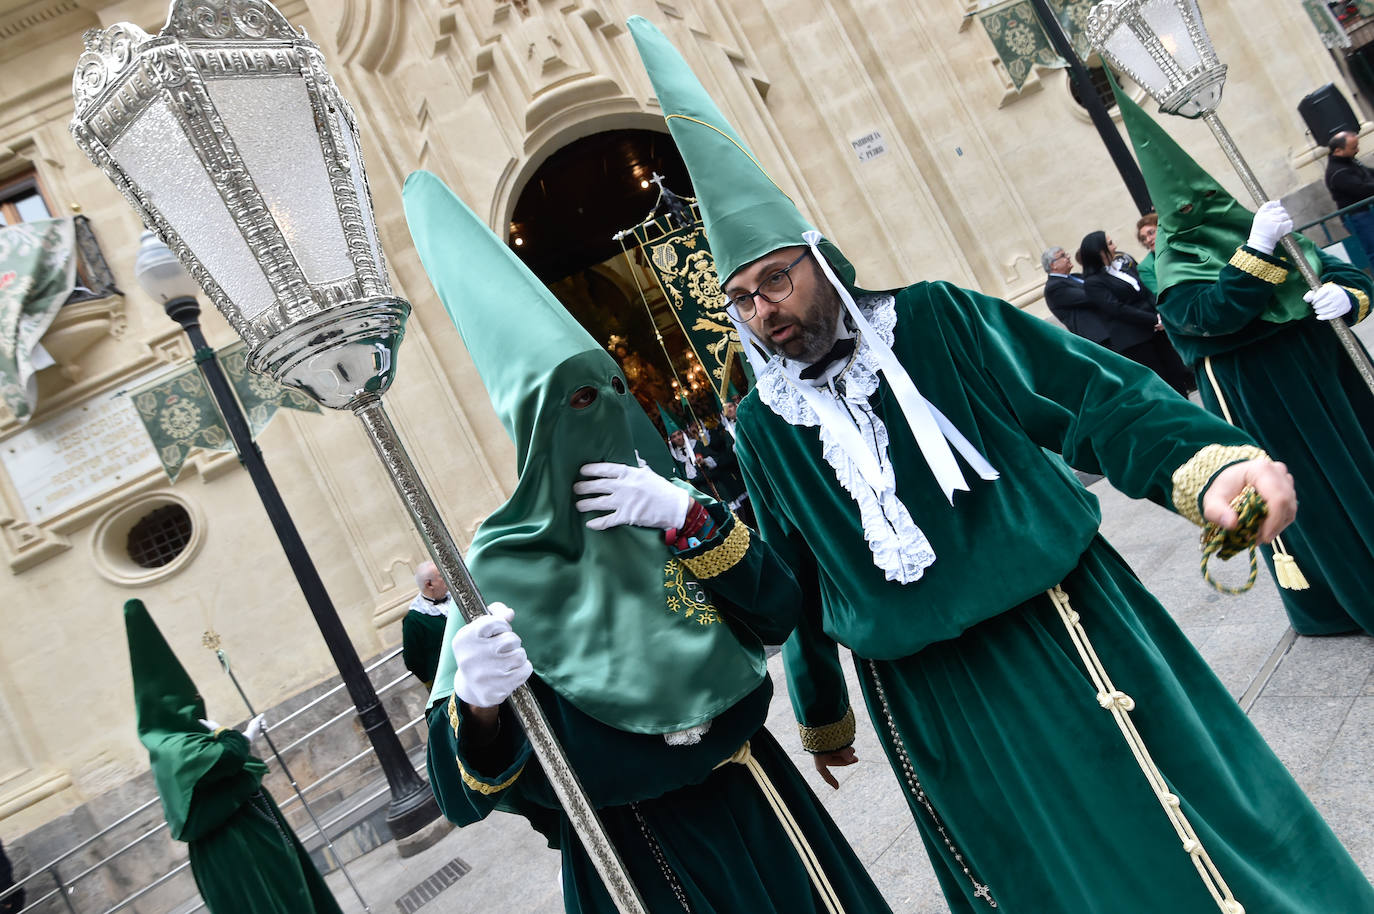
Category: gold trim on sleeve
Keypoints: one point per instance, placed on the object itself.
(830, 737)
(454, 719)
(1192, 478)
(1361, 304)
(722, 558)
(484, 788)
(1246, 262)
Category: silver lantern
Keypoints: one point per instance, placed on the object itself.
(1163, 45)
(230, 139)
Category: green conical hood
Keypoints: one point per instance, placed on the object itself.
(165, 698)
(170, 709)
(745, 214)
(669, 424)
(1200, 223)
(596, 609)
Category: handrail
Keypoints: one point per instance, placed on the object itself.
(65, 886)
(1345, 210)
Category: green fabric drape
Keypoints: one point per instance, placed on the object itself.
(37, 274)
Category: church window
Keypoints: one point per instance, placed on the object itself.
(160, 536)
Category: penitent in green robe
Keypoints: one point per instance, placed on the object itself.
(244, 855)
(688, 828)
(422, 641)
(1033, 783)
(1293, 388)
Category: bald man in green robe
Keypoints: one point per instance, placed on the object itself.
(243, 853)
(1062, 746)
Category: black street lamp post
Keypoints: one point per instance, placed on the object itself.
(1087, 94)
(412, 803)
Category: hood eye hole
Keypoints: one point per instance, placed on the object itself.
(1186, 208)
(1210, 193)
(617, 385)
(583, 397)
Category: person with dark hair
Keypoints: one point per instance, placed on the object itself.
(1145, 229)
(1068, 299)
(1134, 325)
(1350, 182)
(13, 902)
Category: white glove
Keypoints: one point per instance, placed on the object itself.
(209, 725)
(1329, 302)
(1271, 223)
(256, 727)
(633, 495)
(491, 662)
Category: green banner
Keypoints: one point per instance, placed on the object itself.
(1019, 39)
(180, 414)
(682, 263)
(37, 274)
(259, 395)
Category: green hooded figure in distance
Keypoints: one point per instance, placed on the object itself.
(1247, 323)
(648, 668)
(243, 854)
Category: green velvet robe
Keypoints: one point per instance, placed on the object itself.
(422, 640)
(1293, 387)
(715, 831)
(990, 700)
(244, 855)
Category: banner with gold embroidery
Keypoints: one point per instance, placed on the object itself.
(259, 395)
(681, 261)
(180, 414)
(1019, 36)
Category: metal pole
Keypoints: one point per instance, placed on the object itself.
(1116, 147)
(372, 413)
(412, 802)
(291, 779)
(1349, 343)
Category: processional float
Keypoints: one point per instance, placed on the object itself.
(230, 139)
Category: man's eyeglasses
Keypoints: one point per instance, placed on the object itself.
(774, 289)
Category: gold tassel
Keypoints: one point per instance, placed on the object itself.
(1289, 575)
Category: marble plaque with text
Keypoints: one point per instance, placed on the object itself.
(78, 455)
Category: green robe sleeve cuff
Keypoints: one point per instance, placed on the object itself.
(470, 781)
(830, 737)
(748, 581)
(491, 768)
(1193, 478)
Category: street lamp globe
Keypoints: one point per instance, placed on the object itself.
(159, 272)
(1163, 46)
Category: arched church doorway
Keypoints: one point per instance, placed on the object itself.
(564, 227)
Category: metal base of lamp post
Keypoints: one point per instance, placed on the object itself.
(412, 802)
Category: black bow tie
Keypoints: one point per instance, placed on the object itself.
(842, 349)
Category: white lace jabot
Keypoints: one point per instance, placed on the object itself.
(899, 547)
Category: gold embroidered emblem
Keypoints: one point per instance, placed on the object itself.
(686, 596)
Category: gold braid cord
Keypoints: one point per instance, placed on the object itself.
(1258, 267)
(719, 559)
(830, 737)
(744, 756)
(482, 787)
(1361, 304)
(1120, 705)
(1191, 479)
(1217, 541)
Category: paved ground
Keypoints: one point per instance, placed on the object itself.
(1312, 698)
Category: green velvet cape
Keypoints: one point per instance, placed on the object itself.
(422, 644)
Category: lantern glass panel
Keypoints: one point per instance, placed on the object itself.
(355, 170)
(1126, 49)
(272, 124)
(1165, 19)
(154, 153)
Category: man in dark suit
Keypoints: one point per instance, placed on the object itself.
(1068, 300)
(1349, 183)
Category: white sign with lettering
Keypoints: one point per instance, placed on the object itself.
(79, 454)
(869, 146)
